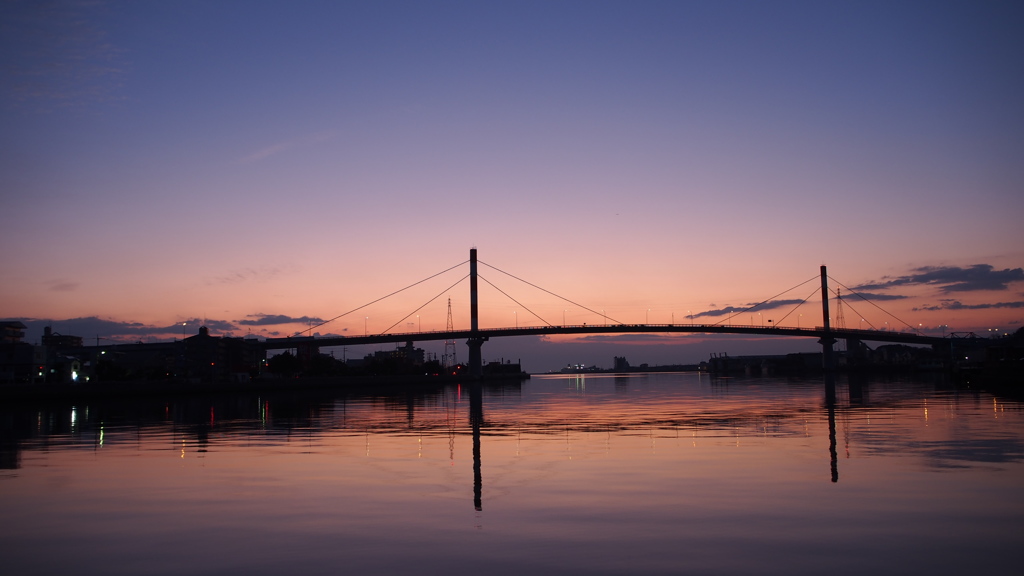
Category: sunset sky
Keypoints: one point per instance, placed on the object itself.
(265, 166)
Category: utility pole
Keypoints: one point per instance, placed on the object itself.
(449, 361)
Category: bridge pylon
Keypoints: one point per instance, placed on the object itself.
(475, 341)
(828, 357)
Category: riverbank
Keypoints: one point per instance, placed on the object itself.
(15, 392)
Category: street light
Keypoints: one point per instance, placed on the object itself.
(419, 322)
(647, 318)
(563, 317)
(516, 314)
(690, 314)
(365, 331)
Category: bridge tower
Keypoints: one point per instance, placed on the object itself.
(828, 358)
(475, 341)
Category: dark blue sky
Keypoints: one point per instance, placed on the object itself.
(161, 162)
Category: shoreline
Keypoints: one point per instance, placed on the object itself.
(133, 388)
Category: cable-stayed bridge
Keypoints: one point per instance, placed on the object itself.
(438, 335)
(475, 336)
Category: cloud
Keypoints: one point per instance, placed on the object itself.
(631, 338)
(56, 52)
(246, 275)
(62, 286)
(92, 327)
(215, 326)
(953, 278)
(754, 307)
(279, 147)
(957, 305)
(275, 319)
(877, 296)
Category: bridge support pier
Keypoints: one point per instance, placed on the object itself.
(476, 364)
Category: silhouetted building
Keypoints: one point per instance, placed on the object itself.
(219, 359)
(19, 361)
(407, 354)
(12, 331)
(502, 368)
(51, 338)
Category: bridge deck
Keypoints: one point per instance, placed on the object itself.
(487, 333)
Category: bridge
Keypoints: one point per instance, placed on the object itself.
(475, 336)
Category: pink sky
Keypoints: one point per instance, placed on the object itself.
(167, 163)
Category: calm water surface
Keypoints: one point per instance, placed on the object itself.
(639, 474)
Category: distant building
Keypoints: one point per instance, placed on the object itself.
(20, 362)
(51, 338)
(407, 354)
(11, 331)
(502, 368)
(218, 359)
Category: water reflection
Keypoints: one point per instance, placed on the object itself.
(709, 409)
(830, 404)
(476, 418)
(674, 469)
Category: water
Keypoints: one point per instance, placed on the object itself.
(645, 474)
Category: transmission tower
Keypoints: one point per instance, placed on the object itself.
(449, 361)
(840, 319)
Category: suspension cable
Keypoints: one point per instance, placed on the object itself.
(795, 308)
(873, 327)
(551, 293)
(310, 329)
(516, 301)
(745, 310)
(425, 303)
(884, 311)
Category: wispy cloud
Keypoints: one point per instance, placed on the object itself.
(952, 278)
(279, 147)
(246, 275)
(632, 338)
(56, 52)
(277, 319)
(62, 286)
(957, 305)
(753, 307)
(877, 296)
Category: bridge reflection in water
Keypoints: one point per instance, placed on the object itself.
(476, 419)
(643, 472)
(198, 419)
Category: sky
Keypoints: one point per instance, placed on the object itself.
(263, 167)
